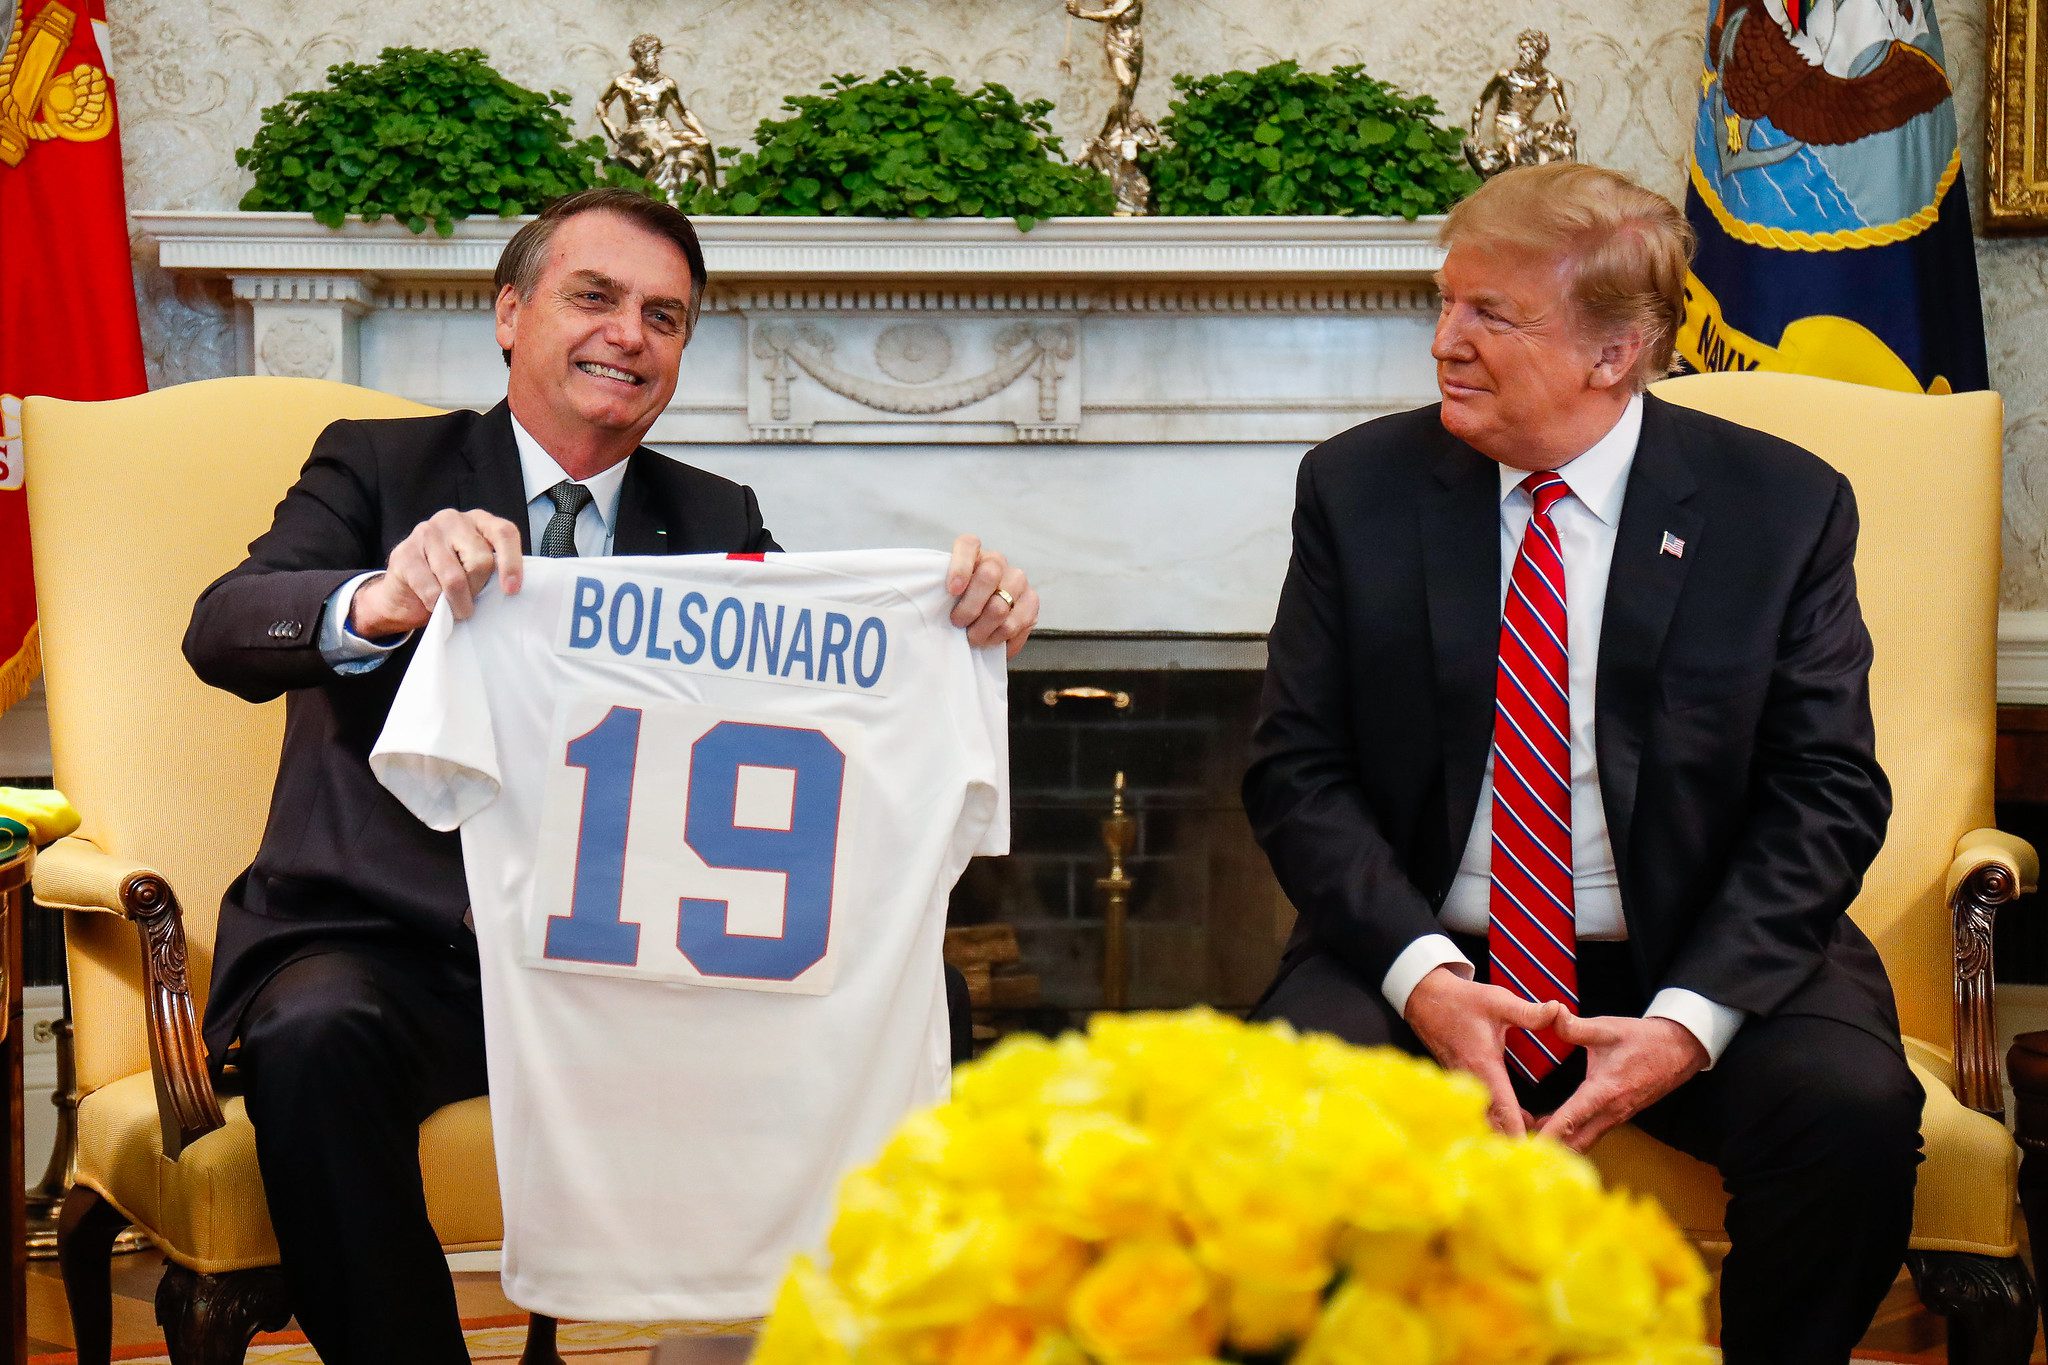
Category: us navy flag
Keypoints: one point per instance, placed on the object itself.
(1827, 192)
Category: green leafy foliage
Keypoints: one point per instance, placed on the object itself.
(426, 136)
(1284, 140)
(907, 145)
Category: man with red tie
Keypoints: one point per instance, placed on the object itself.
(1565, 757)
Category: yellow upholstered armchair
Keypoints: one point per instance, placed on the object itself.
(1927, 473)
(135, 506)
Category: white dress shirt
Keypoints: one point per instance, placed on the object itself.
(1586, 523)
(347, 652)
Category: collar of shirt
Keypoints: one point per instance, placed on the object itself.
(539, 472)
(1599, 477)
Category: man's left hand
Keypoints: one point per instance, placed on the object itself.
(996, 601)
(1630, 1065)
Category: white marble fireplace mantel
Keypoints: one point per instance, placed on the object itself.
(1118, 403)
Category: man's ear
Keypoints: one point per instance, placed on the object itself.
(1616, 361)
(507, 312)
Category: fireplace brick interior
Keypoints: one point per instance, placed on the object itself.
(1206, 919)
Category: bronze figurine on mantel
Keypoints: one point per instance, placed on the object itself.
(1126, 134)
(1513, 134)
(668, 154)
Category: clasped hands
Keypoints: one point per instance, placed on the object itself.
(1630, 1063)
(453, 554)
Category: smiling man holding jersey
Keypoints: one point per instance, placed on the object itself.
(345, 989)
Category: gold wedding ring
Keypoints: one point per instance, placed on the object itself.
(1008, 600)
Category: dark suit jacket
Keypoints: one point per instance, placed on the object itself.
(1732, 719)
(340, 857)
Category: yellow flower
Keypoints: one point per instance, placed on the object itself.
(1146, 1303)
(1274, 1247)
(1263, 1317)
(1397, 1262)
(1683, 1281)
(923, 1275)
(1657, 1353)
(1486, 1322)
(1366, 1326)
(1380, 1178)
(1630, 1278)
(810, 1323)
(1174, 1066)
(1030, 1263)
(1602, 1294)
(1109, 1177)
(961, 1147)
(1529, 1206)
(1013, 1073)
(1000, 1336)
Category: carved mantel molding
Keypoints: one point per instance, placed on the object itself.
(1058, 249)
(806, 316)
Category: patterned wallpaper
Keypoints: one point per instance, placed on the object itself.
(193, 75)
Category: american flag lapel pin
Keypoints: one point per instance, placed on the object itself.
(1672, 546)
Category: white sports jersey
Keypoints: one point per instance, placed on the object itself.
(711, 809)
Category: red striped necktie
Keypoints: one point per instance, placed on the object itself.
(1533, 940)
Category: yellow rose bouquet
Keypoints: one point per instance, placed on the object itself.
(1185, 1189)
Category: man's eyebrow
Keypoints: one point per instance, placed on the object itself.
(1485, 298)
(596, 277)
(606, 282)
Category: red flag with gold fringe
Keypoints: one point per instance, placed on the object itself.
(67, 296)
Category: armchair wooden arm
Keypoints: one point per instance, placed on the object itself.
(72, 874)
(1991, 870)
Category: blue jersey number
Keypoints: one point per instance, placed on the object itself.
(805, 853)
(592, 930)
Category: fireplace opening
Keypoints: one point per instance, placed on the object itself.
(1048, 935)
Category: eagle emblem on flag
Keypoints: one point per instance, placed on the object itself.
(1827, 195)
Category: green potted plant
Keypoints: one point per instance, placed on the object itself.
(426, 136)
(1284, 140)
(906, 144)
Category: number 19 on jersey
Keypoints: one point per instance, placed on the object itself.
(685, 843)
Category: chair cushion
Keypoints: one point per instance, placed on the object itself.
(1964, 1202)
(206, 1209)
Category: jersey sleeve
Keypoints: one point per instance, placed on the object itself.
(438, 753)
(987, 727)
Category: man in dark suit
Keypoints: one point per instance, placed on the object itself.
(1565, 757)
(345, 993)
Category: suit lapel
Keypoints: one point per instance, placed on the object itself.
(643, 509)
(1461, 565)
(491, 478)
(1642, 592)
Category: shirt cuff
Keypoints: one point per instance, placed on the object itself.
(345, 651)
(1416, 961)
(1713, 1024)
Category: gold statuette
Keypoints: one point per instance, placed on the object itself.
(668, 154)
(1126, 134)
(1514, 135)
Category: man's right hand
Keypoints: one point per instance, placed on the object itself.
(1465, 1026)
(451, 554)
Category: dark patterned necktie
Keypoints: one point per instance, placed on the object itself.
(559, 540)
(1533, 937)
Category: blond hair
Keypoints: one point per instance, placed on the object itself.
(1626, 248)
